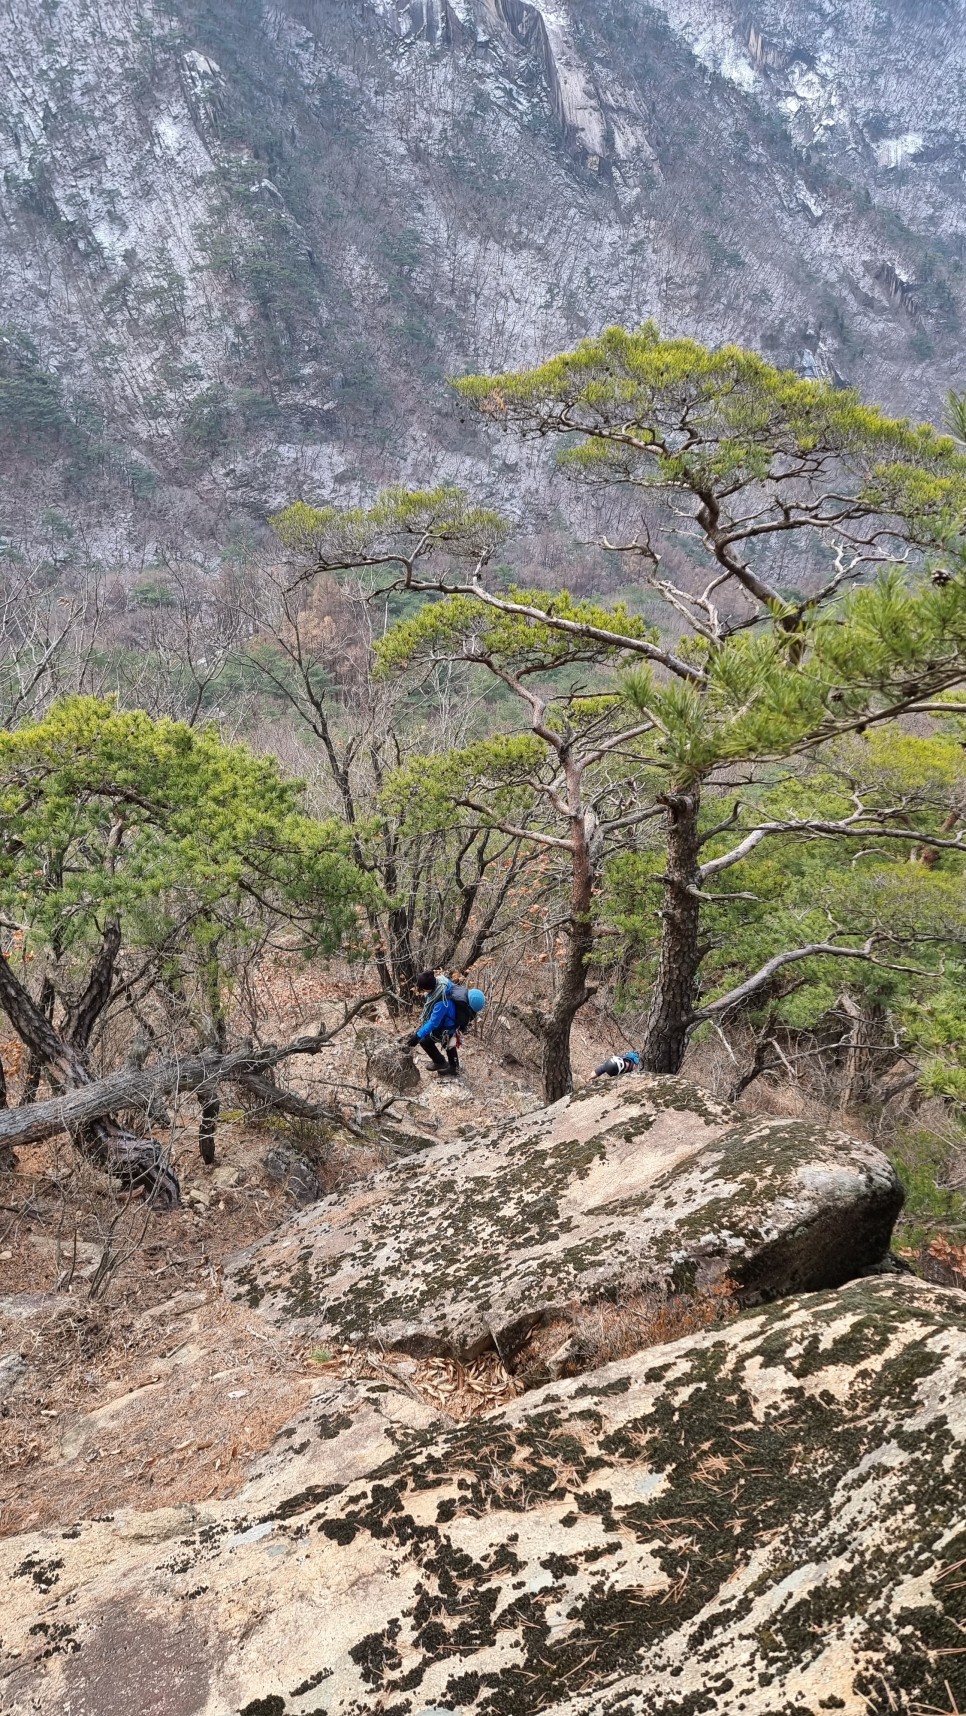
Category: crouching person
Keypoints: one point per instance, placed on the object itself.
(617, 1065)
(437, 1029)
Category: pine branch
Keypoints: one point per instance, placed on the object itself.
(815, 950)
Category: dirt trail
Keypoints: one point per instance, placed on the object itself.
(161, 1390)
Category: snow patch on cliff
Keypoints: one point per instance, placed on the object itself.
(813, 104)
(709, 31)
(896, 151)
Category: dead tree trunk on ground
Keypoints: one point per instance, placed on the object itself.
(138, 1163)
(84, 1108)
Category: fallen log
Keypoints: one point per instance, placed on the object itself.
(139, 1164)
(85, 1110)
(137, 1086)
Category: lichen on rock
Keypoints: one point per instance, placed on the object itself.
(640, 1183)
(766, 1518)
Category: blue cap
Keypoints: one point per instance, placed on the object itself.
(476, 999)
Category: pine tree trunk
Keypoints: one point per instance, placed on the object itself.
(35, 1062)
(208, 1129)
(867, 1028)
(572, 991)
(556, 1070)
(98, 992)
(672, 1001)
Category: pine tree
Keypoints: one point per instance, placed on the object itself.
(833, 596)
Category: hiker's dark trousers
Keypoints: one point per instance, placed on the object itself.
(440, 1061)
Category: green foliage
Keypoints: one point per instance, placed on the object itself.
(32, 409)
(153, 592)
(257, 242)
(937, 1033)
(923, 1159)
(721, 255)
(431, 793)
(517, 641)
(401, 521)
(956, 415)
(184, 839)
(220, 414)
(799, 888)
(674, 414)
(759, 695)
(763, 468)
(766, 693)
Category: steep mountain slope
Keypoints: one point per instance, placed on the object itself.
(245, 244)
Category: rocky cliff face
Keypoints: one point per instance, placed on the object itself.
(245, 244)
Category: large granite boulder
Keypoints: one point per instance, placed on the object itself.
(625, 1185)
(767, 1518)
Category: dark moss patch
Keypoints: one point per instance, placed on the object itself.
(732, 1479)
(309, 1685)
(301, 1502)
(332, 1424)
(60, 1638)
(617, 1385)
(45, 1574)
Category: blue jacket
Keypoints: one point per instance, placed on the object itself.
(441, 1019)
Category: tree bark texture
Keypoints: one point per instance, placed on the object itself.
(862, 1062)
(34, 1071)
(669, 1017)
(572, 990)
(208, 1128)
(91, 1005)
(140, 1087)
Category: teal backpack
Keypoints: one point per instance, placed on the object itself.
(469, 1003)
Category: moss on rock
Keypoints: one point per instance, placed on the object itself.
(642, 1182)
(763, 1518)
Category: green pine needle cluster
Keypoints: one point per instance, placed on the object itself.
(182, 838)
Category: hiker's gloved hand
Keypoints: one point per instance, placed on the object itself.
(412, 1040)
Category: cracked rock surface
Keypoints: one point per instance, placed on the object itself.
(768, 1517)
(470, 1244)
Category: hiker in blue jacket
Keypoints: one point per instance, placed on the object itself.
(438, 1027)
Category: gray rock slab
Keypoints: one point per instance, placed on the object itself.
(342, 1432)
(625, 1184)
(770, 1516)
(13, 1369)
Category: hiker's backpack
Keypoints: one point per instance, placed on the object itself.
(467, 1003)
(619, 1064)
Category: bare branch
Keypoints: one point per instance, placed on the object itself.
(815, 950)
(714, 866)
(571, 628)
